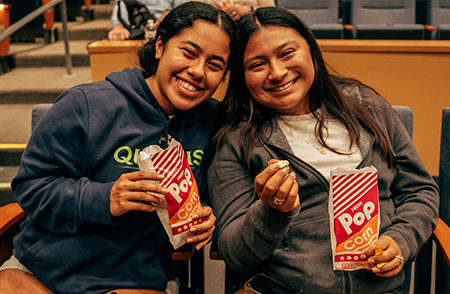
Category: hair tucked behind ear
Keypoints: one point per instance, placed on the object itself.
(325, 94)
(180, 18)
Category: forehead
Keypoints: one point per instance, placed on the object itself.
(271, 37)
(201, 32)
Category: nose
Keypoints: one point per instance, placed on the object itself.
(197, 70)
(277, 71)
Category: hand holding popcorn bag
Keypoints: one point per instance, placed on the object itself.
(182, 201)
(354, 215)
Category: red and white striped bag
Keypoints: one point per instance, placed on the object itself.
(354, 215)
(182, 200)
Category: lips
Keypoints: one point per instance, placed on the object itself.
(187, 86)
(283, 87)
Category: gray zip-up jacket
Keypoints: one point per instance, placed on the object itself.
(295, 248)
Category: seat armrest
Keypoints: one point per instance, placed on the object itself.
(441, 236)
(184, 252)
(10, 214)
(348, 27)
(214, 251)
(429, 28)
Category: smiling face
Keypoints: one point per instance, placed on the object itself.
(279, 70)
(191, 66)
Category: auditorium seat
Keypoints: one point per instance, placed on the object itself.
(321, 16)
(440, 19)
(385, 19)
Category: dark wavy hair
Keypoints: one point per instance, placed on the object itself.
(180, 18)
(325, 94)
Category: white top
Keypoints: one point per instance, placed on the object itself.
(299, 132)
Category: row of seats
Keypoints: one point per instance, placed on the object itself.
(39, 27)
(11, 215)
(369, 19)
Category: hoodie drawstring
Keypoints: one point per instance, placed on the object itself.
(181, 137)
(166, 134)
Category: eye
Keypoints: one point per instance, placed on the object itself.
(215, 65)
(256, 65)
(287, 52)
(189, 51)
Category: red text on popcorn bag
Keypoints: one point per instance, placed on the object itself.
(182, 199)
(355, 215)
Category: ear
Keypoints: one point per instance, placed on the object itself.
(159, 48)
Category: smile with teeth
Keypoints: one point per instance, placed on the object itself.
(187, 86)
(284, 87)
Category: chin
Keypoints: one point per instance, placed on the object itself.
(185, 106)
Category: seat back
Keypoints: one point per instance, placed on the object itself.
(38, 112)
(321, 16)
(440, 19)
(12, 215)
(406, 116)
(385, 19)
(442, 269)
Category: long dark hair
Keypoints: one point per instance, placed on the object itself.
(325, 94)
(180, 18)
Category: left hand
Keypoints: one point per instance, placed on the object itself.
(392, 255)
(203, 232)
(237, 10)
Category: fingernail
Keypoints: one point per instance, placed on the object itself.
(274, 166)
(189, 240)
(376, 270)
(195, 216)
(292, 174)
(198, 247)
(193, 229)
(160, 200)
(160, 177)
(285, 169)
(164, 190)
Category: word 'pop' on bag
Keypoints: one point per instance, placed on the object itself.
(354, 215)
(182, 201)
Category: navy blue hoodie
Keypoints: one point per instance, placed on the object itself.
(90, 137)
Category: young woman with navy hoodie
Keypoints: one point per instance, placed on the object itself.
(91, 227)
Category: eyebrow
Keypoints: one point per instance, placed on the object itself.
(196, 46)
(276, 49)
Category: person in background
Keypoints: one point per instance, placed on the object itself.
(285, 105)
(159, 8)
(91, 226)
(237, 8)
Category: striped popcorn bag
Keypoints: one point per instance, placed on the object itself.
(354, 215)
(182, 201)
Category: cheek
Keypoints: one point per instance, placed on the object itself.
(311, 76)
(254, 82)
(214, 79)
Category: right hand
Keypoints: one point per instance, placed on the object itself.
(275, 182)
(118, 33)
(130, 193)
